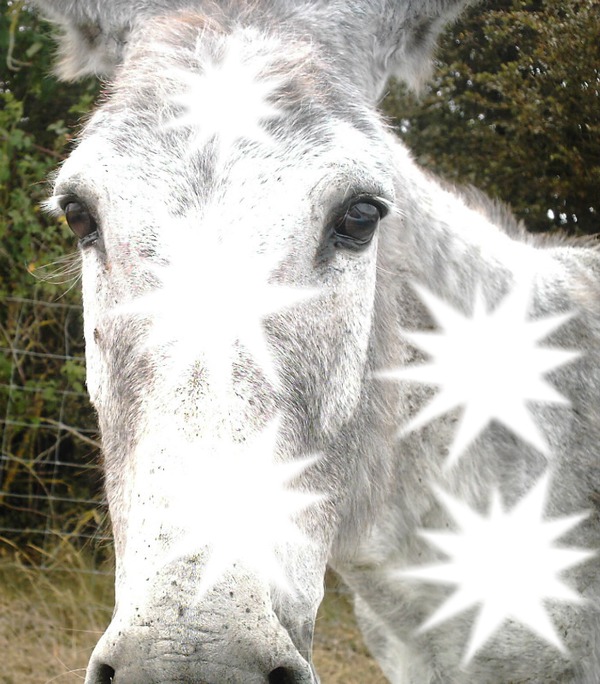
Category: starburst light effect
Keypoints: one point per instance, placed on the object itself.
(489, 363)
(506, 562)
(227, 101)
(245, 509)
(211, 297)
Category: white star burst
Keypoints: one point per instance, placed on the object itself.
(228, 101)
(488, 362)
(243, 510)
(505, 562)
(213, 295)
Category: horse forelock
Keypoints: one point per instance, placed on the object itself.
(172, 54)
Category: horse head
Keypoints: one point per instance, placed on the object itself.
(229, 194)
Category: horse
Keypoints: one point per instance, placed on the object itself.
(260, 254)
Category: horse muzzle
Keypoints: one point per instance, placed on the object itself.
(139, 656)
(230, 636)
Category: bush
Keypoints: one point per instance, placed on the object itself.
(514, 109)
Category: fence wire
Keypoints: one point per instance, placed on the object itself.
(51, 501)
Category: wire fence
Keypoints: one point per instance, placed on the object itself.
(51, 501)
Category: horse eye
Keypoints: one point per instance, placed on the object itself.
(359, 224)
(81, 222)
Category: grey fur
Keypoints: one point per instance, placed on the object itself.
(333, 59)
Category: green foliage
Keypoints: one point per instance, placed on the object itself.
(515, 109)
(41, 374)
(37, 118)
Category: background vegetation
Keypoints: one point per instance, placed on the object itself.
(513, 108)
(47, 462)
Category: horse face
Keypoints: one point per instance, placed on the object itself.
(228, 196)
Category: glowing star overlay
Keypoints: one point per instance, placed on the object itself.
(505, 562)
(244, 509)
(211, 296)
(490, 363)
(227, 101)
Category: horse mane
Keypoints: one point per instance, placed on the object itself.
(501, 215)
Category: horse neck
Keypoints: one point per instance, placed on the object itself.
(445, 243)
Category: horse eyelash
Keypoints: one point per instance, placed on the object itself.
(66, 270)
(52, 206)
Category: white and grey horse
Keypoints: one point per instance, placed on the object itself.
(256, 247)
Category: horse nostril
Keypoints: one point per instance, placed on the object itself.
(282, 675)
(104, 674)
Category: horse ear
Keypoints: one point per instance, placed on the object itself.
(410, 34)
(376, 39)
(93, 34)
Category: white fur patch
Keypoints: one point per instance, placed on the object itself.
(228, 100)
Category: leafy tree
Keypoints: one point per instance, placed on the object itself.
(514, 108)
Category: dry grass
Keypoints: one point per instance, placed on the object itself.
(50, 621)
(339, 652)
